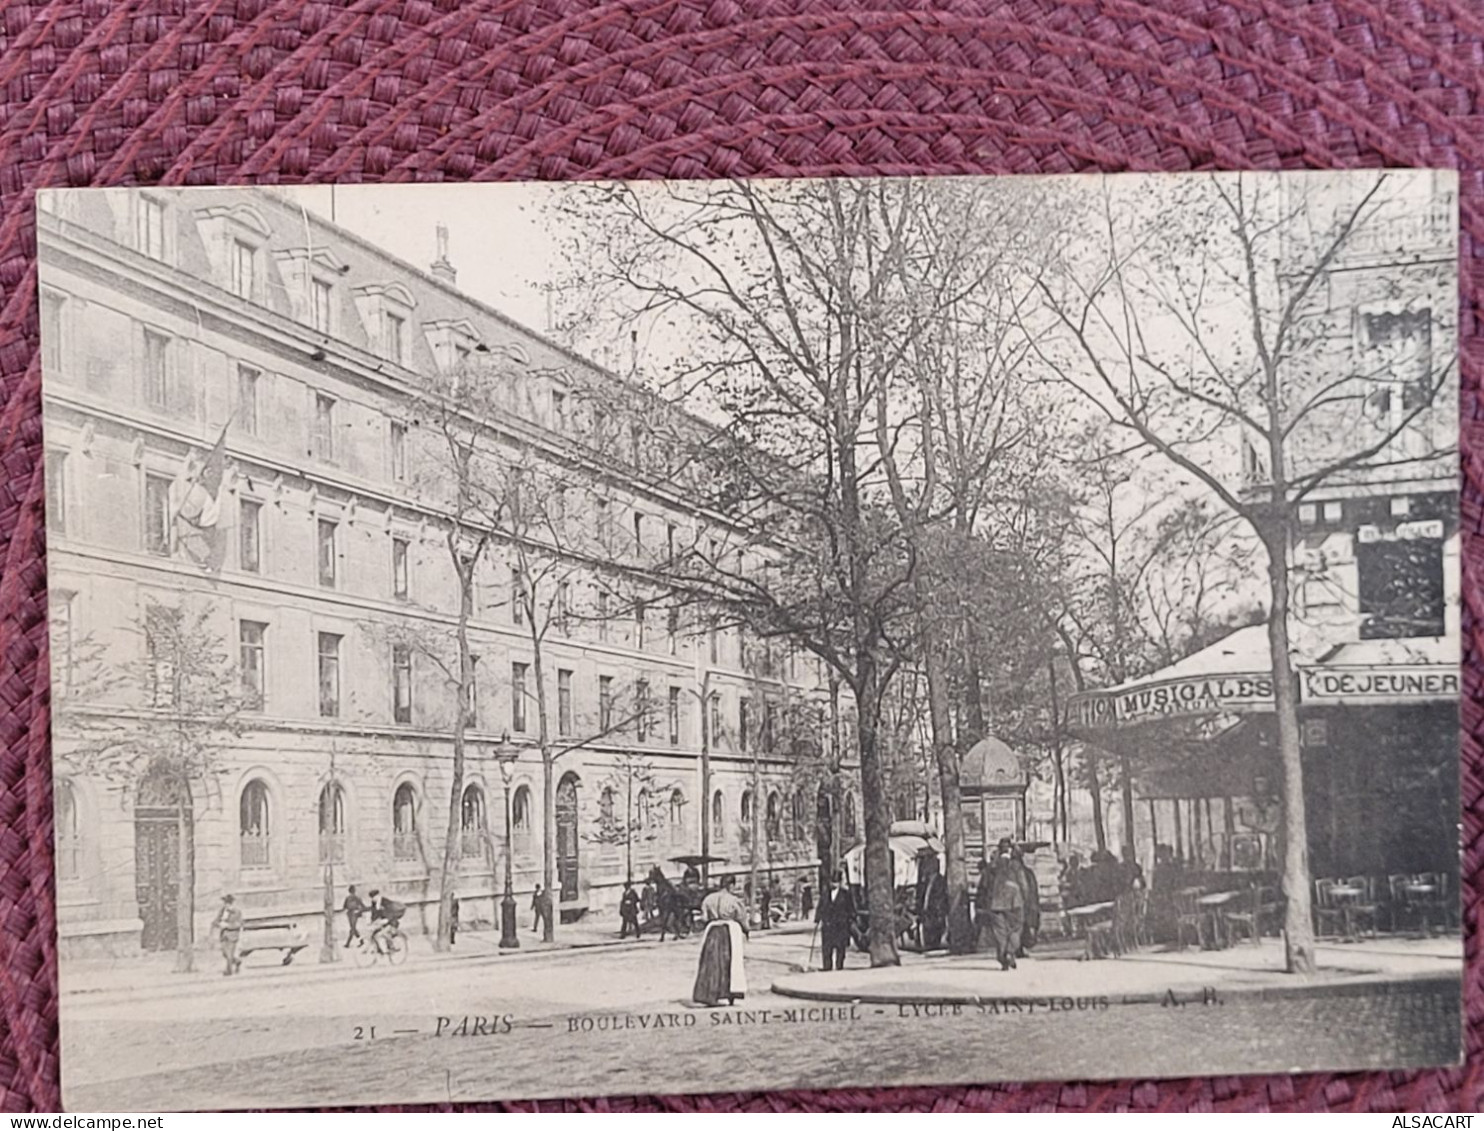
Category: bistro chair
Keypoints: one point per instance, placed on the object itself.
(1131, 920)
(1248, 919)
(1365, 910)
(1102, 936)
(1399, 906)
(1428, 893)
(1189, 916)
(1329, 916)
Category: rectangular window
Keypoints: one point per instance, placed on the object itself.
(471, 704)
(398, 443)
(714, 737)
(56, 491)
(518, 697)
(396, 336)
(674, 716)
(156, 376)
(638, 533)
(744, 721)
(641, 624)
(401, 683)
(641, 709)
(244, 270)
(602, 614)
(605, 703)
(400, 588)
(329, 675)
(603, 523)
(564, 702)
(51, 332)
(517, 596)
(672, 631)
(329, 552)
(149, 227)
(670, 541)
(319, 305)
(249, 536)
(247, 399)
(322, 442)
(63, 633)
(157, 515)
(559, 411)
(564, 607)
(251, 637)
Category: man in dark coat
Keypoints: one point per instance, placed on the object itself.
(1032, 888)
(836, 916)
(1006, 904)
(354, 907)
(628, 911)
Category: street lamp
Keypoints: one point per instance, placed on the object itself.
(507, 755)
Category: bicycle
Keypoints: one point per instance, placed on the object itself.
(390, 944)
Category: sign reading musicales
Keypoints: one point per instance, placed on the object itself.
(1180, 698)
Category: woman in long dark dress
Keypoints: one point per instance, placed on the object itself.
(720, 975)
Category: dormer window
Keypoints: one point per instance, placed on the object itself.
(244, 269)
(235, 236)
(452, 344)
(309, 277)
(386, 310)
(149, 226)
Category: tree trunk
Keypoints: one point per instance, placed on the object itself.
(1095, 787)
(955, 869)
(1298, 925)
(548, 786)
(328, 951)
(185, 900)
(880, 891)
(1126, 783)
(452, 846)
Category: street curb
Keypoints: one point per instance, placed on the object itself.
(319, 975)
(1184, 992)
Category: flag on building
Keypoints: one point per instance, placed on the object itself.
(198, 518)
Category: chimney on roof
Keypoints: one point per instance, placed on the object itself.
(442, 268)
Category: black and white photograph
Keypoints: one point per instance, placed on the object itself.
(518, 641)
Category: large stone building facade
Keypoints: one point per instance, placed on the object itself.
(232, 432)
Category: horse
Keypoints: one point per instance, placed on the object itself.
(667, 902)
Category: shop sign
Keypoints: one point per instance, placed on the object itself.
(1195, 696)
(1425, 530)
(1397, 683)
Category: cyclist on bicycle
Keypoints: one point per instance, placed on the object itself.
(386, 916)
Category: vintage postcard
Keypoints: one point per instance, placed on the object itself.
(550, 640)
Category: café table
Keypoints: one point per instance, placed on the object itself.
(1213, 905)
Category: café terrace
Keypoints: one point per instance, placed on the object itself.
(1379, 731)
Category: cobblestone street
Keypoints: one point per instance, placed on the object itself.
(617, 1022)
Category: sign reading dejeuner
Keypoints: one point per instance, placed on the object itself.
(1414, 683)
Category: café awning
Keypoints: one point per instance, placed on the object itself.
(1209, 692)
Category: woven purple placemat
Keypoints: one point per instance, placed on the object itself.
(105, 92)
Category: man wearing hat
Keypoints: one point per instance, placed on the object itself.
(1006, 903)
(228, 926)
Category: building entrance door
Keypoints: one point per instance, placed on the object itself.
(157, 831)
(567, 842)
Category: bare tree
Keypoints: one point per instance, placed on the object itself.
(1223, 309)
(164, 722)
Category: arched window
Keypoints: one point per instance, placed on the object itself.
(473, 822)
(745, 829)
(253, 825)
(332, 824)
(404, 823)
(770, 817)
(68, 834)
(718, 816)
(677, 818)
(801, 815)
(642, 813)
(605, 808)
(520, 812)
(847, 816)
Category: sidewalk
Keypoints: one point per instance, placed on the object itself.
(1146, 976)
(153, 975)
